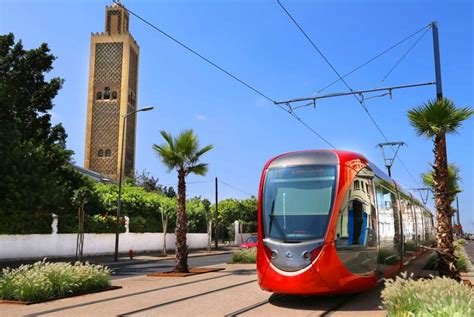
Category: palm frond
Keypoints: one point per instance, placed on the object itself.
(168, 138)
(186, 144)
(436, 116)
(166, 155)
(454, 177)
(205, 149)
(198, 169)
(182, 152)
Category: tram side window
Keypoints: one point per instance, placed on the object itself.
(356, 230)
(408, 225)
(389, 220)
(419, 224)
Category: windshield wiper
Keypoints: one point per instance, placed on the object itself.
(274, 219)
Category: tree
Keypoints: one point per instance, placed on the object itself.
(167, 210)
(147, 181)
(230, 210)
(34, 167)
(249, 207)
(207, 211)
(168, 191)
(434, 120)
(80, 198)
(453, 181)
(182, 154)
(196, 215)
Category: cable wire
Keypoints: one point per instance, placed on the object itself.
(187, 183)
(374, 58)
(404, 56)
(220, 68)
(314, 45)
(361, 101)
(235, 188)
(294, 115)
(194, 52)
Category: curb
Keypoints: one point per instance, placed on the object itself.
(114, 264)
(467, 277)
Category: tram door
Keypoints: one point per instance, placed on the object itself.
(356, 230)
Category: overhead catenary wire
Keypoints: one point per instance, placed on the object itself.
(194, 52)
(235, 188)
(374, 58)
(187, 183)
(405, 55)
(222, 70)
(361, 101)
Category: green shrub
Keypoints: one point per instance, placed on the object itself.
(461, 260)
(21, 222)
(388, 256)
(245, 256)
(404, 296)
(460, 242)
(249, 226)
(98, 223)
(104, 223)
(410, 246)
(431, 261)
(45, 280)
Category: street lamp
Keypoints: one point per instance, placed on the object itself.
(119, 203)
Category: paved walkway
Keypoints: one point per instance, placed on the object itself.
(231, 292)
(469, 247)
(213, 294)
(469, 275)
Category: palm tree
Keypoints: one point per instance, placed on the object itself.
(453, 184)
(182, 154)
(435, 119)
(453, 181)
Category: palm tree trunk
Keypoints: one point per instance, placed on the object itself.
(181, 226)
(444, 237)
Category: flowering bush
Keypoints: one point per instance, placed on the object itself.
(460, 242)
(245, 256)
(45, 280)
(404, 296)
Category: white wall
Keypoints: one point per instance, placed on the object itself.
(53, 245)
(239, 237)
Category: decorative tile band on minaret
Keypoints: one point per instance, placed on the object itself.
(112, 92)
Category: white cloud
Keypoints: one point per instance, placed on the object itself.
(200, 117)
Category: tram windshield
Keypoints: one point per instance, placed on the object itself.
(297, 202)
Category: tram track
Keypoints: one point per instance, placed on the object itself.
(256, 305)
(344, 299)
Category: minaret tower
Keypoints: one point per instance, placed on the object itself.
(113, 78)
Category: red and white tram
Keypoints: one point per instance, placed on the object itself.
(331, 222)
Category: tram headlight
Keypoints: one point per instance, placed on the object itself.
(273, 254)
(307, 255)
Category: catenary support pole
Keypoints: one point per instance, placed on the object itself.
(216, 216)
(439, 87)
(458, 216)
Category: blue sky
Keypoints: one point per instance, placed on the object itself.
(256, 41)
